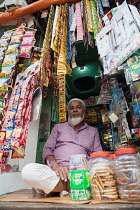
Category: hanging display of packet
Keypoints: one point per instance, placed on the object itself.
(17, 115)
(124, 43)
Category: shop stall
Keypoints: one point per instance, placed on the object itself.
(90, 50)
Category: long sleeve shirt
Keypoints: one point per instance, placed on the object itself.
(65, 141)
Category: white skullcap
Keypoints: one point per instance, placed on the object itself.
(77, 99)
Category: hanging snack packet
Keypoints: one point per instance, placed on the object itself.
(1, 58)
(10, 59)
(33, 69)
(18, 33)
(3, 93)
(18, 153)
(7, 35)
(25, 51)
(30, 33)
(3, 49)
(12, 49)
(17, 132)
(9, 131)
(2, 104)
(2, 53)
(4, 82)
(28, 40)
(8, 70)
(4, 42)
(16, 39)
(6, 145)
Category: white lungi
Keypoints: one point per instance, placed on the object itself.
(40, 177)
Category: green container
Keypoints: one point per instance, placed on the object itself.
(80, 188)
(80, 195)
(84, 81)
(80, 185)
(79, 179)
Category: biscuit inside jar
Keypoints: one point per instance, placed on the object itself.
(103, 185)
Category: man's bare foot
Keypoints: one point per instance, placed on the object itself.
(64, 193)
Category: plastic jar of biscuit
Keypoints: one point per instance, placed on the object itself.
(80, 188)
(127, 173)
(103, 183)
(112, 161)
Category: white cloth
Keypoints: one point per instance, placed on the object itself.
(40, 177)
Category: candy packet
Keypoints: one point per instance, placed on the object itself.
(16, 39)
(10, 59)
(8, 69)
(3, 49)
(4, 42)
(1, 59)
(18, 33)
(7, 35)
(30, 33)
(4, 81)
(25, 51)
(3, 93)
(12, 49)
(18, 153)
(28, 40)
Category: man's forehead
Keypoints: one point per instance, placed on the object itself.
(75, 102)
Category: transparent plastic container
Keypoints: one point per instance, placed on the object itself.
(112, 161)
(128, 173)
(103, 182)
(80, 188)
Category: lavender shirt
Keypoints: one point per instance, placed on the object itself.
(65, 141)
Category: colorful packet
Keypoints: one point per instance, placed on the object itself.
(1, 59)
(16, 39)
(4, 42)
(3, 49)
(25, 51)
(7, 35)
(12, 49)
(28, 40)
(9, 131)
(18, 153)
(6, 145)
(10, 59)
(18, 32)
(4, 81)
(30, 33)
(2, 94)
(2, 53)
(8, 69)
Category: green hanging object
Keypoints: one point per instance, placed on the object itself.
(84, 81)
(84, 55)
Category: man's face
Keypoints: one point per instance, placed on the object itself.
(76, 109)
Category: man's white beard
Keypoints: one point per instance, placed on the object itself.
(75, 120)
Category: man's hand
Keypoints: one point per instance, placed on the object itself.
(62, 172)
